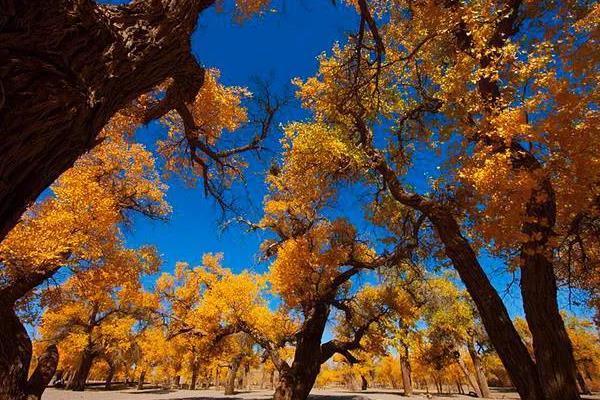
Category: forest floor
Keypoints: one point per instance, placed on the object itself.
(316, 394)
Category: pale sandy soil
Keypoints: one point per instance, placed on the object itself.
(317, 394)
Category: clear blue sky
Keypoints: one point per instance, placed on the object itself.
(278, 46)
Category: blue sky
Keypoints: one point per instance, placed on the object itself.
(277, 47)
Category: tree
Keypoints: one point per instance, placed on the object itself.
(511, 131)
(94, 314)
(74, 227)
(99, 59)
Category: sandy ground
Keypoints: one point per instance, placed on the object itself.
(317, 394)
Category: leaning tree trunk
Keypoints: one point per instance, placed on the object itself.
(82, 371)
(495, 318)
(479, 372)
(66, 67)
(470, 377)
(231, 375)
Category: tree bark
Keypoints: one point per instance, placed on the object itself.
(405, 370)
(551, 344)
(470, 378)
(495, 318)
(15, 355)
(140, 384)
(66, 68)
(479, 371)
(82, 371)
(231, 375)
(43, 373)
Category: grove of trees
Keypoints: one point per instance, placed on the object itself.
(459, 132)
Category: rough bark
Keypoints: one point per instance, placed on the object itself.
(495, 318)
(405, 370)
(551, 344)
(231, 375)
(77, 382)
(140, 384)
(15, 355)
(296, 381)
(43, 373)
(479, 371)
(66, 67)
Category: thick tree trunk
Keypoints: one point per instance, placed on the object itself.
(82, 371)
(551, 344)
(140, 384)
(15, 355)
(495, 318)
(232, 374)
(66, 68)
(406, 378)
(43, 373)
(479, 371)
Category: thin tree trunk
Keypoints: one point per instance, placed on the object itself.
(195, 366)
(140, 384)
(110, 375)
(583, 387)
(82, 371)
(479, 371)
(470, 378)
(364, 384)
(406, 373)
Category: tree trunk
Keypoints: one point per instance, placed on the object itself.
(195, 366)
(140, 384)
(231, 375)
(470, 378)
(176, 382)
(495, 318)
(109, 376)
(479, 371)
(551, 344)
(83, 63)
(405, 370)
(43, 373)
(82, 371)
(583, 387)
(364, 384)
(15, 355)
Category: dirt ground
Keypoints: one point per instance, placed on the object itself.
(316, 394)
